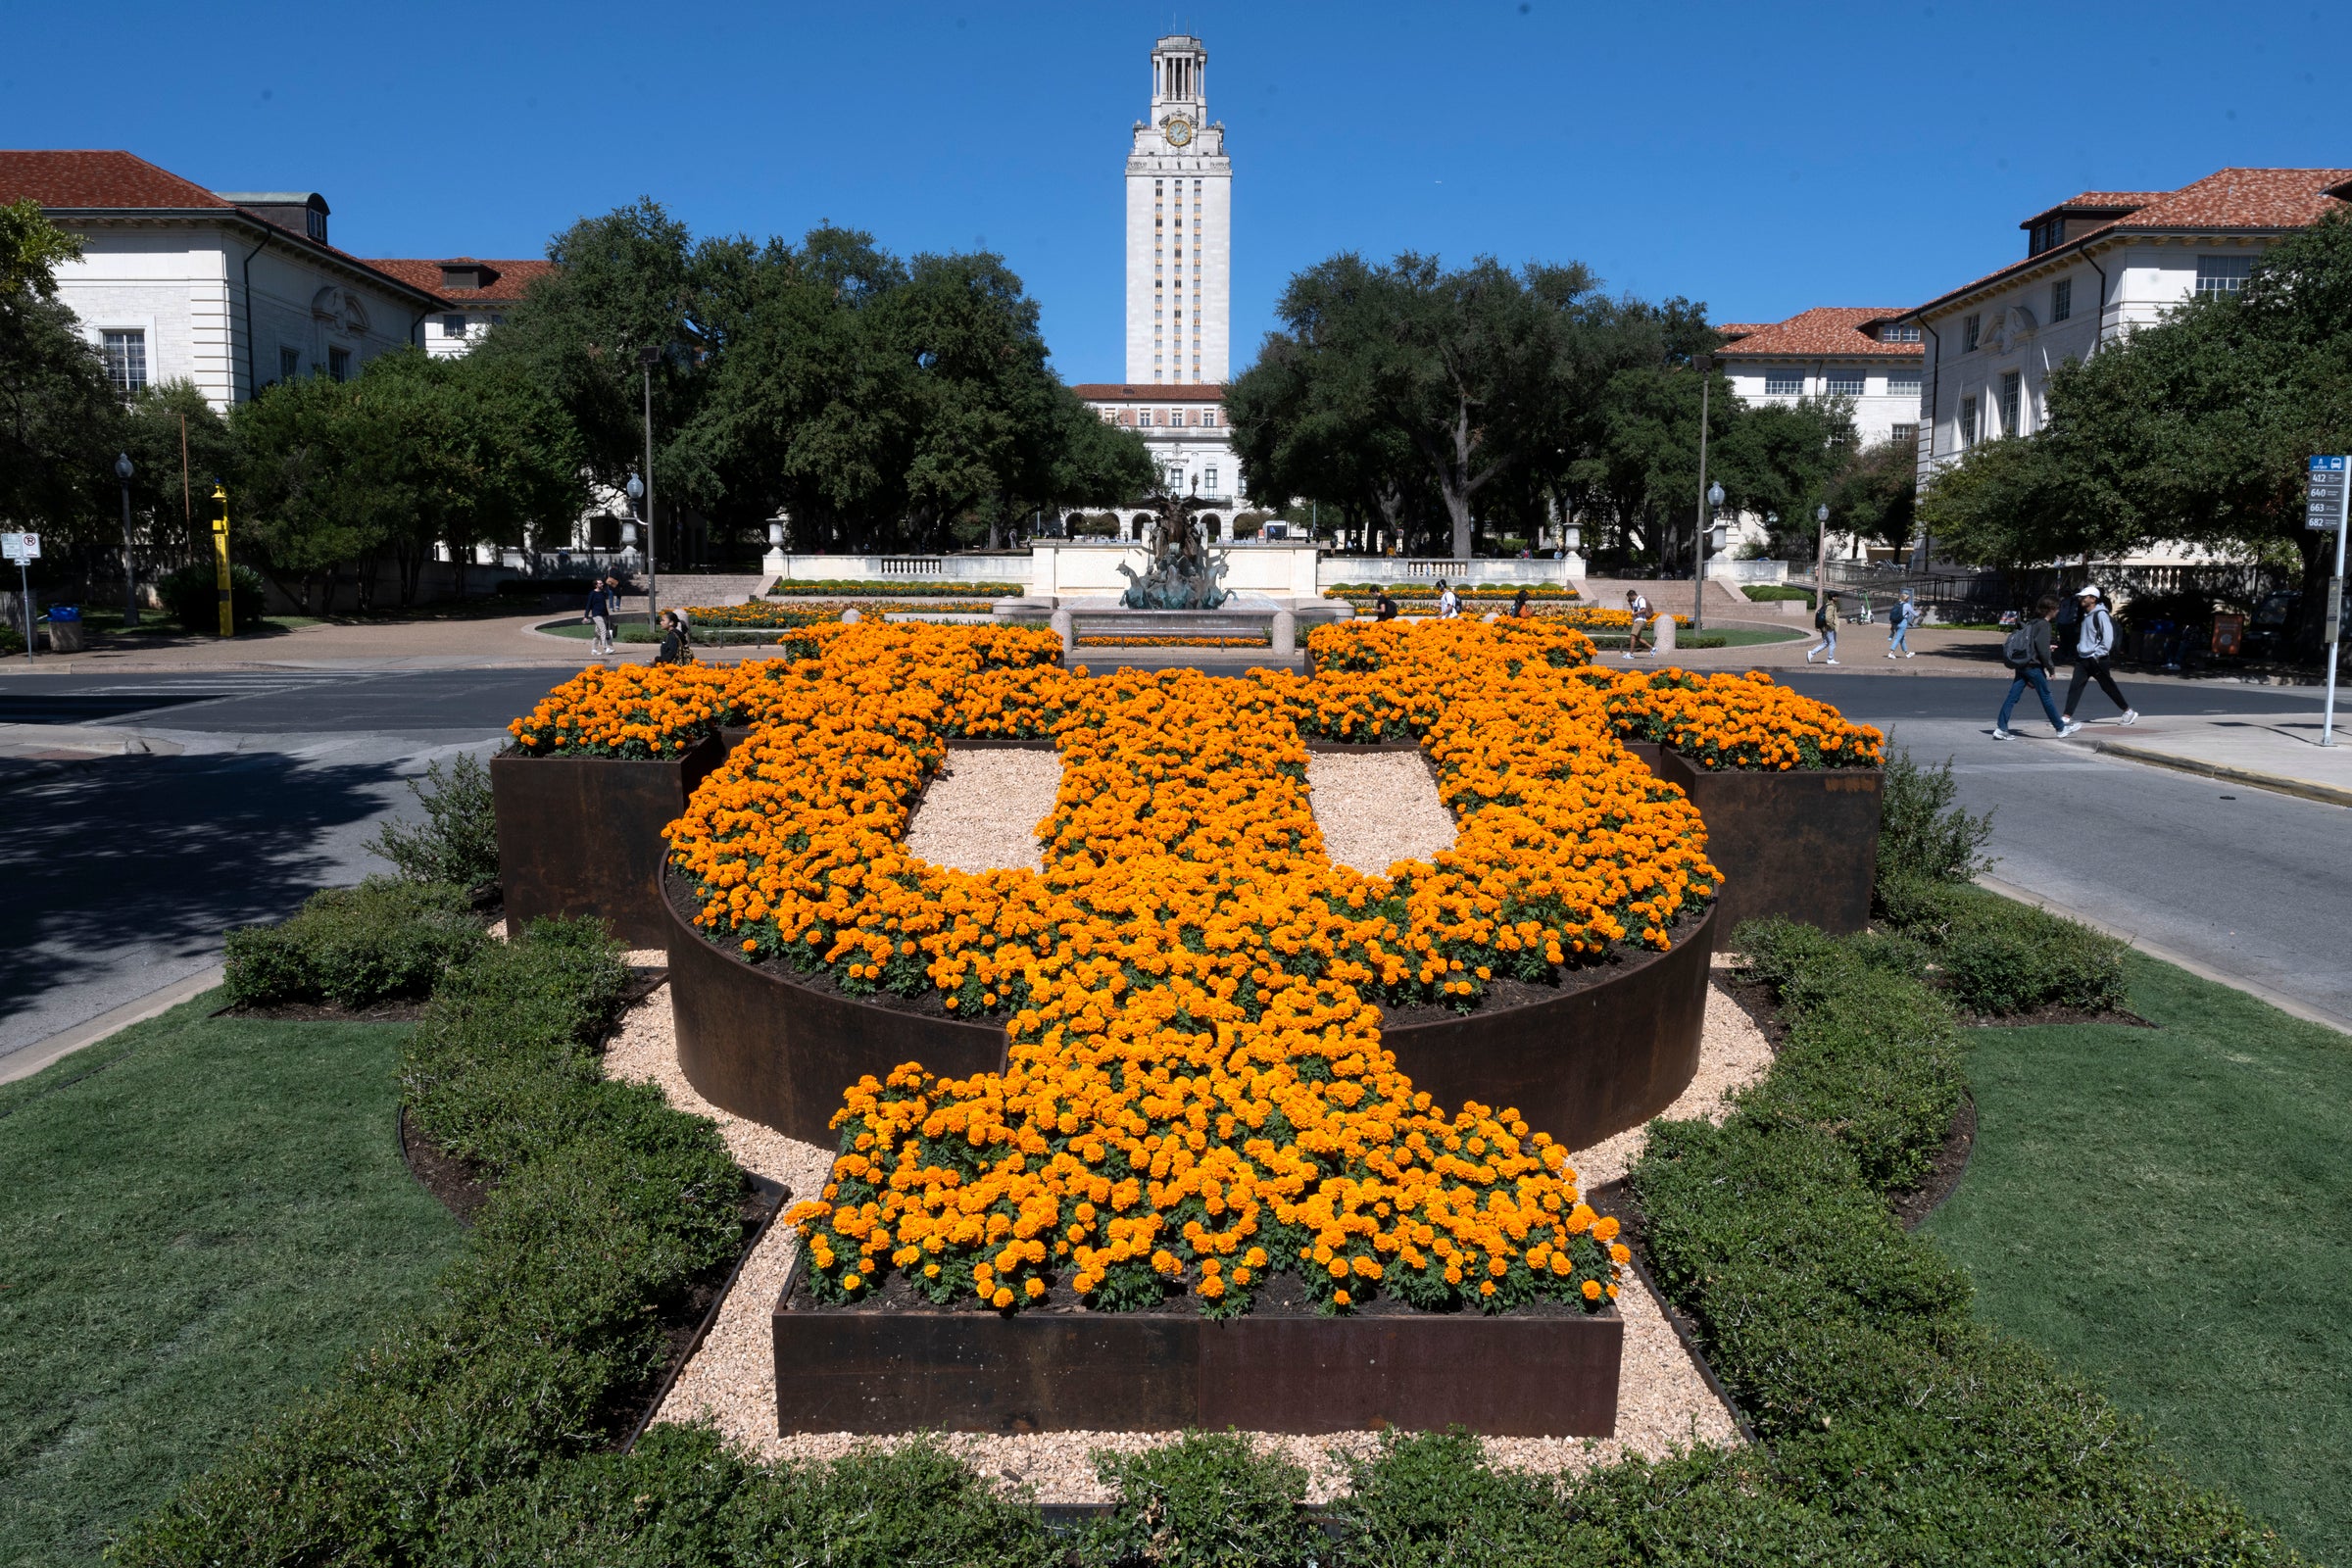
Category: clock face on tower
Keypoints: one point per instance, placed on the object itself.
(1179, 130)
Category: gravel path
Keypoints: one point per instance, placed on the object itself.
(1377, 807)
(982, 812)
(1663, 1402)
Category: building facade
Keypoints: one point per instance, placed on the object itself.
(2096, 267)
(475, 295)
(1179, 228)
(231, 290)
(1871, 357)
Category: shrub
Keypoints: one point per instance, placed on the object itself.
(355, 946)
(1921, 835)
(1207, 1499)
(192, 597)
(2000, 957)
(458, 840)
(1765, 593)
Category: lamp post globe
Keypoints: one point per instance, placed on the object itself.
(130, 572)
(1715, 497)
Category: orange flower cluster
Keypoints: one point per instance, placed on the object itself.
(1108, 639)
(1600, 619)
(1196, 1096)
(1734, 721)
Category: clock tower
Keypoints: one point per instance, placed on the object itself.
(1179, 228)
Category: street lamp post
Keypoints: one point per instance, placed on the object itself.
(1820, 548)
(635, 490)
(1708, 540)
(647, 359)
(1698, 528)
(130, 583)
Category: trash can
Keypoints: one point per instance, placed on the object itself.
(64, 630)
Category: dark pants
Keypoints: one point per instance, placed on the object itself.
(2087, 670)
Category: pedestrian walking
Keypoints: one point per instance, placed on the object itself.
(2029, 653)
(677, 643)
(1448, 606)
(1901, 616)
(1636, 609)
(1825, 621)
(1384, 607)
(2094, 645)
(600, 619)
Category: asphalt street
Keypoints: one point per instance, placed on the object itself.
(122, 873)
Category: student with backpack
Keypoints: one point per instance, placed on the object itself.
(1899, 618)
(2028, 652)
(2094, 644)
(1825, 621)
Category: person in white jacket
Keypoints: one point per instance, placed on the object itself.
(2094, 645)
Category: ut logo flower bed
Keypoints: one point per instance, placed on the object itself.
(1196, 1098)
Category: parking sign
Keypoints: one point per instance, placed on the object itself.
(21, 547)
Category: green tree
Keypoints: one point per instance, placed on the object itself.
(59, 415)
(30, 248)
(1875, 495)
(167, 500)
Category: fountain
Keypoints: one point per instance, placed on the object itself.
(1181, 571)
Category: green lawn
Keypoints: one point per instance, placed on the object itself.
(201, 1216)
(2170, 1212)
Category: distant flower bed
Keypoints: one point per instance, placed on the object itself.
(1734, 721)
(1108, 639)
(1597, 618)
(864, 588)
(757, 615)
(1365, 592)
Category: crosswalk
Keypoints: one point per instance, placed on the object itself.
(75, 700)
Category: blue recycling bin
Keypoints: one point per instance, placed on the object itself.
(64, 630)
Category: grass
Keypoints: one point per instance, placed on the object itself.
(2165, 1211)
(204, 1215)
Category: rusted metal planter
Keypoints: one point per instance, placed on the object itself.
(1592, 1061)
(582, 836)
(756, 1041)
(857, 1370)
(1802, 844)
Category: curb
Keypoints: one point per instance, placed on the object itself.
(2280, 783)
(30, 1059)
(2179, 961)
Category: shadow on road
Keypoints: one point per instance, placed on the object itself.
(163, 853)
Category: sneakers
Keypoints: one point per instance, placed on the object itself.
(1893, 656)
(2000, 734)
(2130, 716)
(1908, 653)
(1809, 653)
(1828, 660)
(2068, 728)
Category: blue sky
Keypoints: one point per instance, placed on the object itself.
(1760, 158)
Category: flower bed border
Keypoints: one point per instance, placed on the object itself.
(1800, 844)
(865, 1370)
(582, 835)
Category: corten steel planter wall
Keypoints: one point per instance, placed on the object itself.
(1582, 1065)
(582, 835)
(971, 1371)
(1802, 844)
(756, 1041)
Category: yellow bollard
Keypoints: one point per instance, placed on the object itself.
(221, 558)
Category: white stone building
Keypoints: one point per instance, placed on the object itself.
(230, 290)
(2096, 267)
(475, 296)
(1179, 288)
(1871, 357)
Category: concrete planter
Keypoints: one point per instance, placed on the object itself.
(1802, 844)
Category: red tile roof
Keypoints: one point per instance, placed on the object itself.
(1736, 329)
(506, 284)
(1148, 392)
(2249, 201)
(1828, 330)
(2099, 201)
(97, 180)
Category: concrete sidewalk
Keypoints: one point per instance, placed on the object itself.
(2271, 752)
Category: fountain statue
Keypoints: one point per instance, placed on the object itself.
(1183, 571)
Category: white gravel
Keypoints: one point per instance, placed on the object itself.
(983, 811)
(1377, 807)
(1663, 1401)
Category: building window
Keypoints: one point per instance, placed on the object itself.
(289, 363)
(314, 223)
(1845, 383)
(453, 326)
(1902, 432)
(338, 364)
(2223, 275)
(1969, 329)
(1902, 383)
(125, 359)
(1209, 418)
(1208, 477)
(2062, 299)
(1898, 332)
(1968, 421)
(1783, 383)
(2011, 396)
(2048, 233)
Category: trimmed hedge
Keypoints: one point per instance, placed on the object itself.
(607, 1206)
(1998, 957)
(381, 940)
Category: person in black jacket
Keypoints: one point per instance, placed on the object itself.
(600, 619)
(1384, 607)
(678, 647)
(2030, 653)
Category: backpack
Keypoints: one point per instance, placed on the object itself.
(1822, 620)
(2018, 652)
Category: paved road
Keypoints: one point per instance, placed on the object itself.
(121, 874)
(2249, 883)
